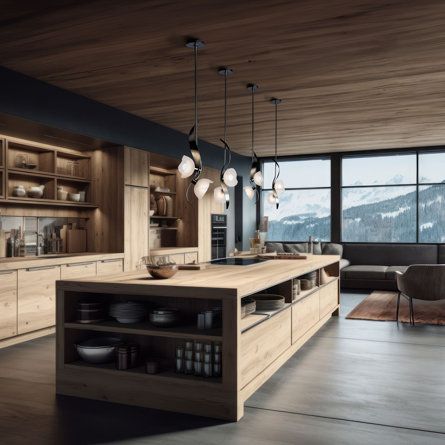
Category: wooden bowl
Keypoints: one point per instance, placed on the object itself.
(162, 272)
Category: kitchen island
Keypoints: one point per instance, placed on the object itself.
(253, 347)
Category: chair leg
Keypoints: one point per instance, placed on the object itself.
(411, 310)
(398, 307)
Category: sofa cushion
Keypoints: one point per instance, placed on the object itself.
(295, 247)
(364, 272)
(391, 271)
(317, 248)
(344, 263)
(332, 249)
(274, 247)
(403, 254)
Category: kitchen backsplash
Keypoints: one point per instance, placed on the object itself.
(35, 236)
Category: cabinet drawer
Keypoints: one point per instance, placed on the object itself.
(36, 298)
(328, 298)
(261, 345)
(178, 258)
(78, 270)
(305, 313)
(191, 258)
(8, 304)
(109, 267)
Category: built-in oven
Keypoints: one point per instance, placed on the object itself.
(219, 236)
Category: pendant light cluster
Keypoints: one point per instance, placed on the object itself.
(277, 184)
(192, 166)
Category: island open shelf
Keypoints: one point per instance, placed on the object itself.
(252, 348)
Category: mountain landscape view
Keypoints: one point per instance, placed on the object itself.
(374, 214)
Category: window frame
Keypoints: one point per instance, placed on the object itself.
(260, 209)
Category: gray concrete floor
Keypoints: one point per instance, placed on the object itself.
(356, 382)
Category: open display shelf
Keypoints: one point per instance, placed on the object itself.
(32, 164)
(145, 328)
(168, 374)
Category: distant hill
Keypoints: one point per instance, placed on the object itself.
(390, 220)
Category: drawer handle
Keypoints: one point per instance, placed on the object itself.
(6, 272)
(111, 261)
(86, 263)
(29, 269)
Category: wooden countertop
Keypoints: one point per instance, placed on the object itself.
(54, 260)
(172, 250)
(217, 281)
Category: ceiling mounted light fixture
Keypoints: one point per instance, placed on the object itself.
(193, 166)
(228, 175)
(256, 176)
(277, 184)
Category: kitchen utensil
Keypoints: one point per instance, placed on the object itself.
(306, 284)
(62, 195)
(98, 349)
(268, 302)
(161, 203)
(82, 196)
(152, 367)
(164, 317)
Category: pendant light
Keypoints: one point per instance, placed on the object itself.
(193, 166)
(277, 184)
(228, 176)
(256, 176)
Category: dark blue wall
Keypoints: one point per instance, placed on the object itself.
(46, 104)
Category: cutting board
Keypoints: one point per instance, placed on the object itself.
(76, 240)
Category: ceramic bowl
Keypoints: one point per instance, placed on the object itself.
(75, 197)
(164, 317)
(162, 272)
(35, 192)
(98, 349)
(19, 191)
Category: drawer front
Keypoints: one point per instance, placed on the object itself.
(305, 314)
(178, 258)
(191, 258)
(36, 298)
(78, 270)
(328, 298)
(261, 345)
(8, 304)
(109, 267)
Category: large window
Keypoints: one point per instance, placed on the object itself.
(305, 206)
(394, 198)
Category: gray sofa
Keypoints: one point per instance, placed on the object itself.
(319, 249)
(374, 266)
(370, 266)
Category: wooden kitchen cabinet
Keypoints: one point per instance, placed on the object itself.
(136, 225)
(136, 167)
(109, 267)
(305, 314)
(36, 289)
(328, 298)
(78, 270)
(8, 303)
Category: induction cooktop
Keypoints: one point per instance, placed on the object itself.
(238, 261)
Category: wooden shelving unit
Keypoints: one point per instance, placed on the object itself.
(33, 164)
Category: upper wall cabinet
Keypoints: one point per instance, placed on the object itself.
(136, 167)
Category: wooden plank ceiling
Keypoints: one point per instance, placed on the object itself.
(353, 74)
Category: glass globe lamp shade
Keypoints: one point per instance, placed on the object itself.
(250, 192)
(186, 167)
(258, 178)
(230, 178)
(279, 186)
(219, 195)
(201, 187)
(271, 198)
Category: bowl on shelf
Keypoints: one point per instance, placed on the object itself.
(268, 302)
(128, 312)
(164, 317)
(90, 312)
(36, 191)
(152, 212)
(306, 284)
(98, 349)
(19, 191)
(75, 197)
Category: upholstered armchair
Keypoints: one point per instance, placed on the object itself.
(420, 282)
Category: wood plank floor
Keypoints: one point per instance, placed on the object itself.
(356, 382)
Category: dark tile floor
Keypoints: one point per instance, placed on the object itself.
(356, 382)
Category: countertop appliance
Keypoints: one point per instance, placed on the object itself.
(238, 261)
(219, 236)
